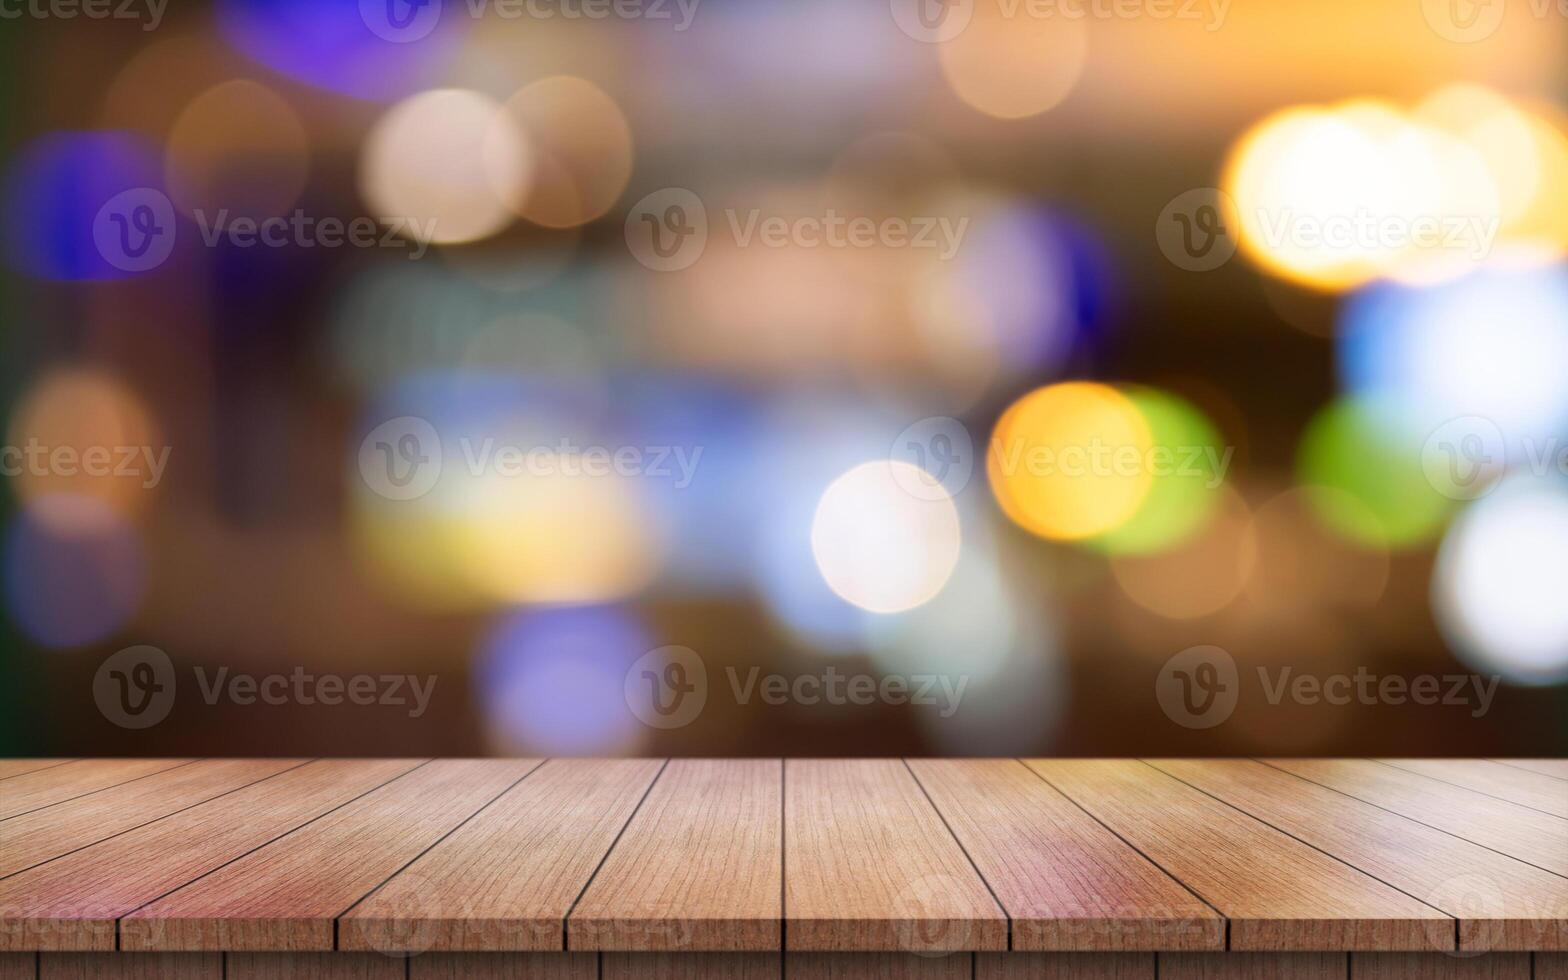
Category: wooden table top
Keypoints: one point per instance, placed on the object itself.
(798, 855)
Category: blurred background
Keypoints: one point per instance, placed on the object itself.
(580, 357)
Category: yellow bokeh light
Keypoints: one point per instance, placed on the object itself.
(880, 546)
(556, 536)
(450, 161)
(1333, 197)
(1071, 460)
(1014, 66)
(582, 149)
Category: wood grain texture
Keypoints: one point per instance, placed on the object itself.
(1278, 893)
(879, 966)
(71, 903)
(18, 966)
(286, 895)
(1551, 966)
(1064, 966)
(1529, 835)
(690, 966)
(506, 879)
(1254, 966)
(504, 966)
(44, 787)
(1532, 789)
(1426, 966)
(16, 767)
(1548, 767)
(1066, 882)
(36, 837)
(313, 966)
(700, 867)
(1502, 903)
(869, 865)
(128, 966)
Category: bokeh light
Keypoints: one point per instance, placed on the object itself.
(1369, 455)
(1014, 66)
(333, 45)
(54, 191)
(75, 571)
(1190, 465)
(450, 161)
(82, 432)
(1202, 575)
(1334, 197)
(1491, 345)
(1071, 460)
(237, 148)
(527, 505)
(1498, 587)
(879, 546)
(552, 681)
(581, 147)
(1304, 565)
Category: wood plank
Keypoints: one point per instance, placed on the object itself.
(869, 865)
(1547, 767)
(506, 879)
(1531, 789)
(700, 867)
(36, 837)
(1538, 838)
(137, 966)
(1254, 966)
(18, 966)
(1064, 966)
(1551, 966)
(1279, 894)
(879, 966)
(73, 902)
(312, 966)
(1502, 903)
(16, 767)
(1426, 966)
(504, 966)
(690, 966)
(45, 787)
(1065, 881)
(286, 895)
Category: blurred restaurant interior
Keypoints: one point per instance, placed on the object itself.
(1009, 356)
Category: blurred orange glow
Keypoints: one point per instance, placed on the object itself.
(582, 150)
(1014, 66)
(1070, 460)
(1203, 574)
(82, 432)
(237, 146)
